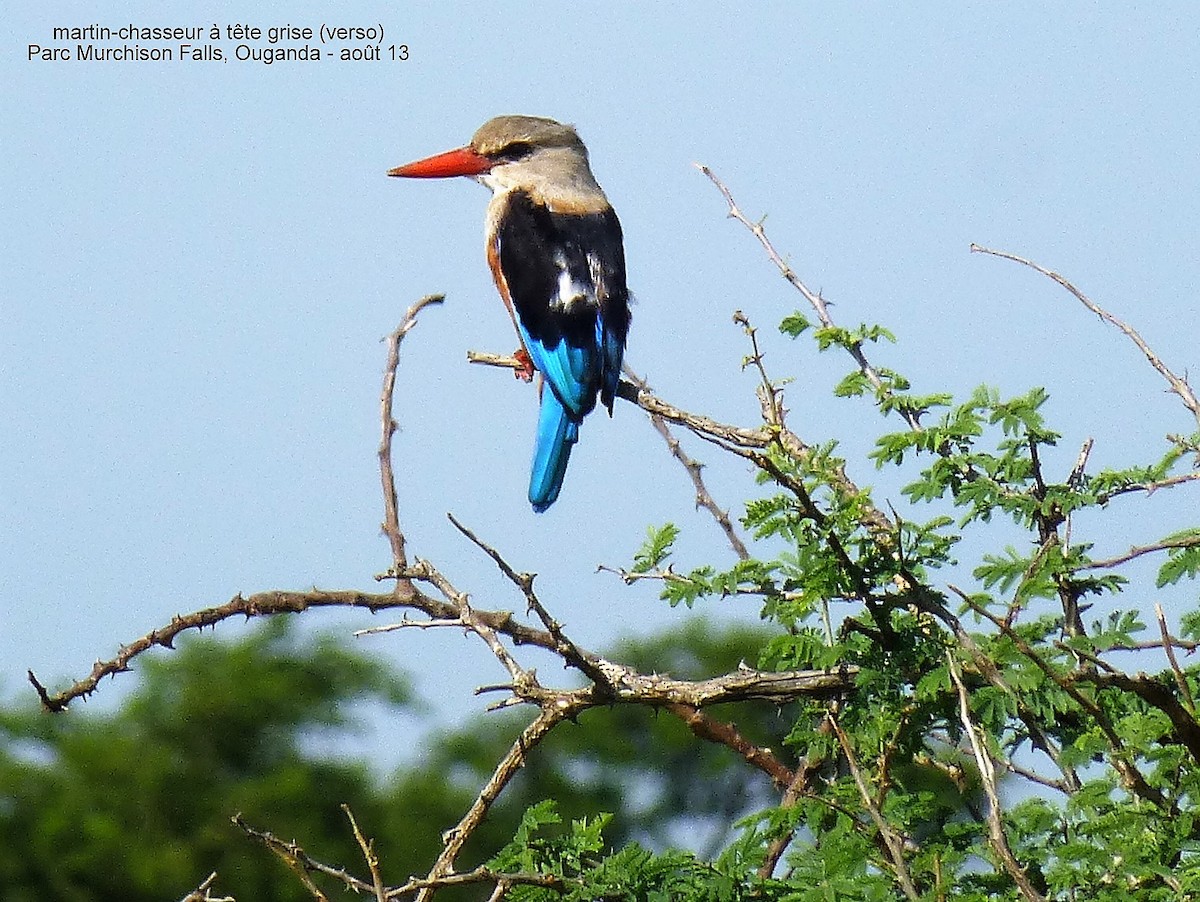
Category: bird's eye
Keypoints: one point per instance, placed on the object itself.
(517, 150)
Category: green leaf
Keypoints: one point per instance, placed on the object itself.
(794, 323)
(656, 549)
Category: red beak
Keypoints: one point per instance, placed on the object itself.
(463, 161)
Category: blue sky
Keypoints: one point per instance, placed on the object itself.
(201, 259)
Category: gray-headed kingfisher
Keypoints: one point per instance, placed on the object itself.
(554, 248)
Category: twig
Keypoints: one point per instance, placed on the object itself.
(1168, 647)
(987, 773)
(1076, 474)
(729, 437)
(301, 863)
(391, 518)
(767, 392)
(456, 837)
(261, 604)
(368, 850)
(694, 470)
(505, 361)
(483, 874)
(1151, 487)
(1179, 385)
(570, 652)
(817, 302)
(202, 894)
(1187, 645)
(892, 842)
(1190, 541)
(460, 603)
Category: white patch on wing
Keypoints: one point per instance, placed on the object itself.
(570, 292)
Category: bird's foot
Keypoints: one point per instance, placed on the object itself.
(525, 371)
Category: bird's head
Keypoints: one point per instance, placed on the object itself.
(509, 152)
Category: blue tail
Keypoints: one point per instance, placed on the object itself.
(556, 433)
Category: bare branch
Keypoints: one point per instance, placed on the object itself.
(728, 437)
(728, 735)
(391, 520)
(1191, 541)
(262, 604)
(817, 302)
(1168, 645)
(1076, 474)
(694, 470)
(202, 893)
(567, 649)
(503, 882)
(987, 773)
(301, 863)
(368, 850)
(1179, 385)
(456, 837)
(635, 687)
(481, 627)
(768, 393)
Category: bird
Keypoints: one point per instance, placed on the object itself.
(556, 252)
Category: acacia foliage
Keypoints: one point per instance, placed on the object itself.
(999, 741)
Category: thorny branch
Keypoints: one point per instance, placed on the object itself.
(610, 682)
(391, 520)
(818, 303)
(1179, 384)
(695, 472)
(203, 892)
(552, 714)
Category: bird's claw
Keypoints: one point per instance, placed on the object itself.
(525, 371)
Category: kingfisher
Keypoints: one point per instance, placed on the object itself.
(554, 246)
